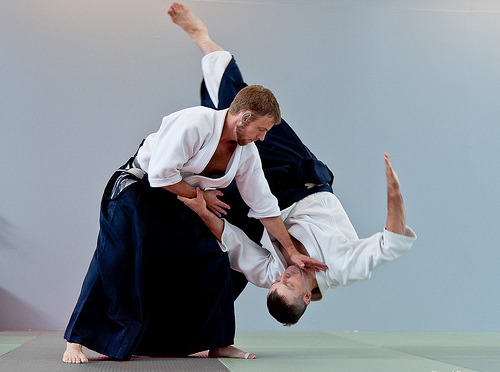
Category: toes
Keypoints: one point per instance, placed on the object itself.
(75, 360)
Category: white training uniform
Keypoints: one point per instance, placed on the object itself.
(320, 223)
(182, 148)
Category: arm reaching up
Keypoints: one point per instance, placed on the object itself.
(396, 220)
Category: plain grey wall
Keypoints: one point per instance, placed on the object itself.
(82, 82)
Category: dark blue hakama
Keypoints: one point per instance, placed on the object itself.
(158, 283)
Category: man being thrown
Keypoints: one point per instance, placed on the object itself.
(149, 240)
(310, 210)
(349, 259)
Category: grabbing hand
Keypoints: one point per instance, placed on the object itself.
(214, 204)
(197, 204)
(306, 262)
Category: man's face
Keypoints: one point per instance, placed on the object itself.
(256, 130)
(291, 283)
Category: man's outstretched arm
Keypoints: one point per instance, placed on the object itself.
(199, 206)
(260, 267)
(367, 254)
(396, 219)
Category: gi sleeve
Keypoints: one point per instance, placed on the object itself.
(253, 186)
(258, 264)
(180, 137)
(367, 254)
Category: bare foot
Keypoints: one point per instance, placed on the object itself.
(183, 16)
(230, 352)
(74, 354)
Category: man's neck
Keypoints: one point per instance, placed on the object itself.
(300, 247)
(228, 134)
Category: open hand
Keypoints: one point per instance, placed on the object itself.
(214, 204)
(393, 185)
(306, 262)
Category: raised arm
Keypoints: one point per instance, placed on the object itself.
(396, 219)
(367, 254)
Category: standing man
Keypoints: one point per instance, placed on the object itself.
(149, 242)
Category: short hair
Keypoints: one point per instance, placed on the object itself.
(257, 99)
(283, 312)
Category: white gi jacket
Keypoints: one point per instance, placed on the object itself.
(182, 148)
(320, 223)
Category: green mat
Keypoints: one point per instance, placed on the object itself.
(368, 352)
(11, 340)
(281, 351)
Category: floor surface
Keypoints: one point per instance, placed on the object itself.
(281, 351)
